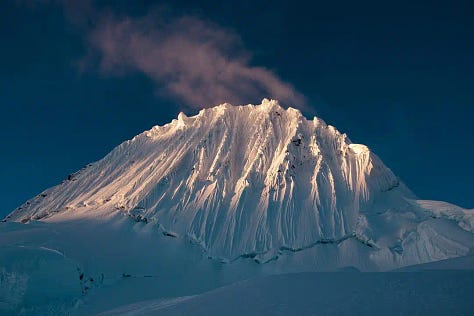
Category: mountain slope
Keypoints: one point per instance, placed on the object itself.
(336, 293)
(260, 182)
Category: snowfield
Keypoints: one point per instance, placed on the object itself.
(330, 293)
(130, 269)
(169, 221)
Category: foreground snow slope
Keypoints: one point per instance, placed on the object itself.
(88, 267)
(336, 293)
(261, 182)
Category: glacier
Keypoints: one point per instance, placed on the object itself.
(233, 192)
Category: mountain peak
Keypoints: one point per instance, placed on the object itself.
(242, 181)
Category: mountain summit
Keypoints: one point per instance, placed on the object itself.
(261, 182)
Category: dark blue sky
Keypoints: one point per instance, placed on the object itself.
(398, 77)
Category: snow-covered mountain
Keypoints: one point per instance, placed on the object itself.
(261, 182)
(232, 193)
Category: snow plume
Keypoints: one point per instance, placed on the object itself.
(192, 60)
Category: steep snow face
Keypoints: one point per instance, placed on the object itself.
(248, 181)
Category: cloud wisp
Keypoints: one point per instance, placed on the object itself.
(189, 59)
